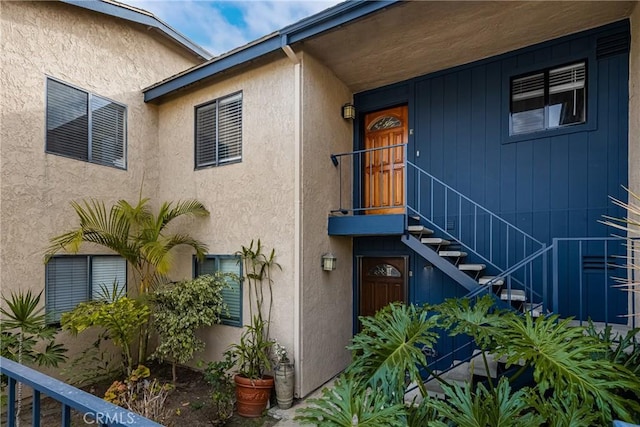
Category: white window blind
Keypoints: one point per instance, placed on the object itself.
(219, 132)
(548, 99)
(233, 295)
(71, 280)
(567, 78)
(527, 87)
(85, 126)
(105, 270)
(66, 285)
(230, 129)
(206, 135)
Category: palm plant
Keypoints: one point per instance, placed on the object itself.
(23, 327)
(137, 235)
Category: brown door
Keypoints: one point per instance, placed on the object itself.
(384, 169)
(382, 281)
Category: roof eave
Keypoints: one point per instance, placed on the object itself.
(331, 18)
(150, 21)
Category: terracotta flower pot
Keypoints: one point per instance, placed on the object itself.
(252, 395)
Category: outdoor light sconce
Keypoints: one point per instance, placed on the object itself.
(328, 262)
(348, 111)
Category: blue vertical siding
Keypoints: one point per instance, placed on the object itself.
(550, 184)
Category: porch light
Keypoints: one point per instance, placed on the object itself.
(348, 111)
(328, 262)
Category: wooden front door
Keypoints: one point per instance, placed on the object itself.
(384, 169)
(382, 281)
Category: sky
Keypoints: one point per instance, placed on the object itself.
(219, 26)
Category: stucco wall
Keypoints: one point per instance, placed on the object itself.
(248, 200)
(634, 116)
(99, 54)
(326, 310)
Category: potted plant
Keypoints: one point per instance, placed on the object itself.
(284, 375)
(251, 354)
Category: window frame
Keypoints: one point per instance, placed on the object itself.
(89, 140)
(88, 281)
(591, 97)
(216, 102)
(217, 257)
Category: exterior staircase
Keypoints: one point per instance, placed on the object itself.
(446, 255)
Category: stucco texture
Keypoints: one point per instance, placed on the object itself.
(94, 52)
(252, 199)
(326, 310)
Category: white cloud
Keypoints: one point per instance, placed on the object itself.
(220, 26)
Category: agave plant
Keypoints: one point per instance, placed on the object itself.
(630, 225)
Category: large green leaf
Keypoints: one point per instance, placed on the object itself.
(389, 348)
(350, 403)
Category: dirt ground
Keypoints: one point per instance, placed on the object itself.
(187, 405)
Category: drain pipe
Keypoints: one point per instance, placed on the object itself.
(297, 208)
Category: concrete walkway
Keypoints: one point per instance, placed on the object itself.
(286, 415)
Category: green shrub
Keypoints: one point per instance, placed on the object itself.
(180, 309)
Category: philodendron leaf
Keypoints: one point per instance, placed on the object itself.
(351, 403)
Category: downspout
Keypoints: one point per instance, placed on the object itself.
(297, 209)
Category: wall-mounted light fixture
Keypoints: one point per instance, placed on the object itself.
(348, 111)
(328, 262)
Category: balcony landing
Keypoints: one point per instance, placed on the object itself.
(367, 225)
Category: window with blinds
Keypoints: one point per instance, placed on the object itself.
(233, 295)
(219, 132)
(70, 280)
(548, 99)
(85, 126)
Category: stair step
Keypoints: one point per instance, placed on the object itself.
(477, 364)
(472, 267)
(419, 229)
(461, 374)
(486, 279)
(457, 254)
(434, 389)
(435, 241)
(516, 295)
(534, 308)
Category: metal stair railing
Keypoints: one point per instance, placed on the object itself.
(528, 278)
(368, 162)
(471, 217)
(502, 245)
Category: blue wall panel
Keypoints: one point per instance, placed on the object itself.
(550, 184)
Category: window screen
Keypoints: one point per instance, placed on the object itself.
(219, 132)
(233, 295)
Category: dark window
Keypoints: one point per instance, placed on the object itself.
(85, 126)
(219, 132)
(71, 280)
(233, 295)
(548, 99)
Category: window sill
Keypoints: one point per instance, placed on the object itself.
(549, 133)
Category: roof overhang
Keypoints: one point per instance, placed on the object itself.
(368, 48)
(139, 16)
(326, 20)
